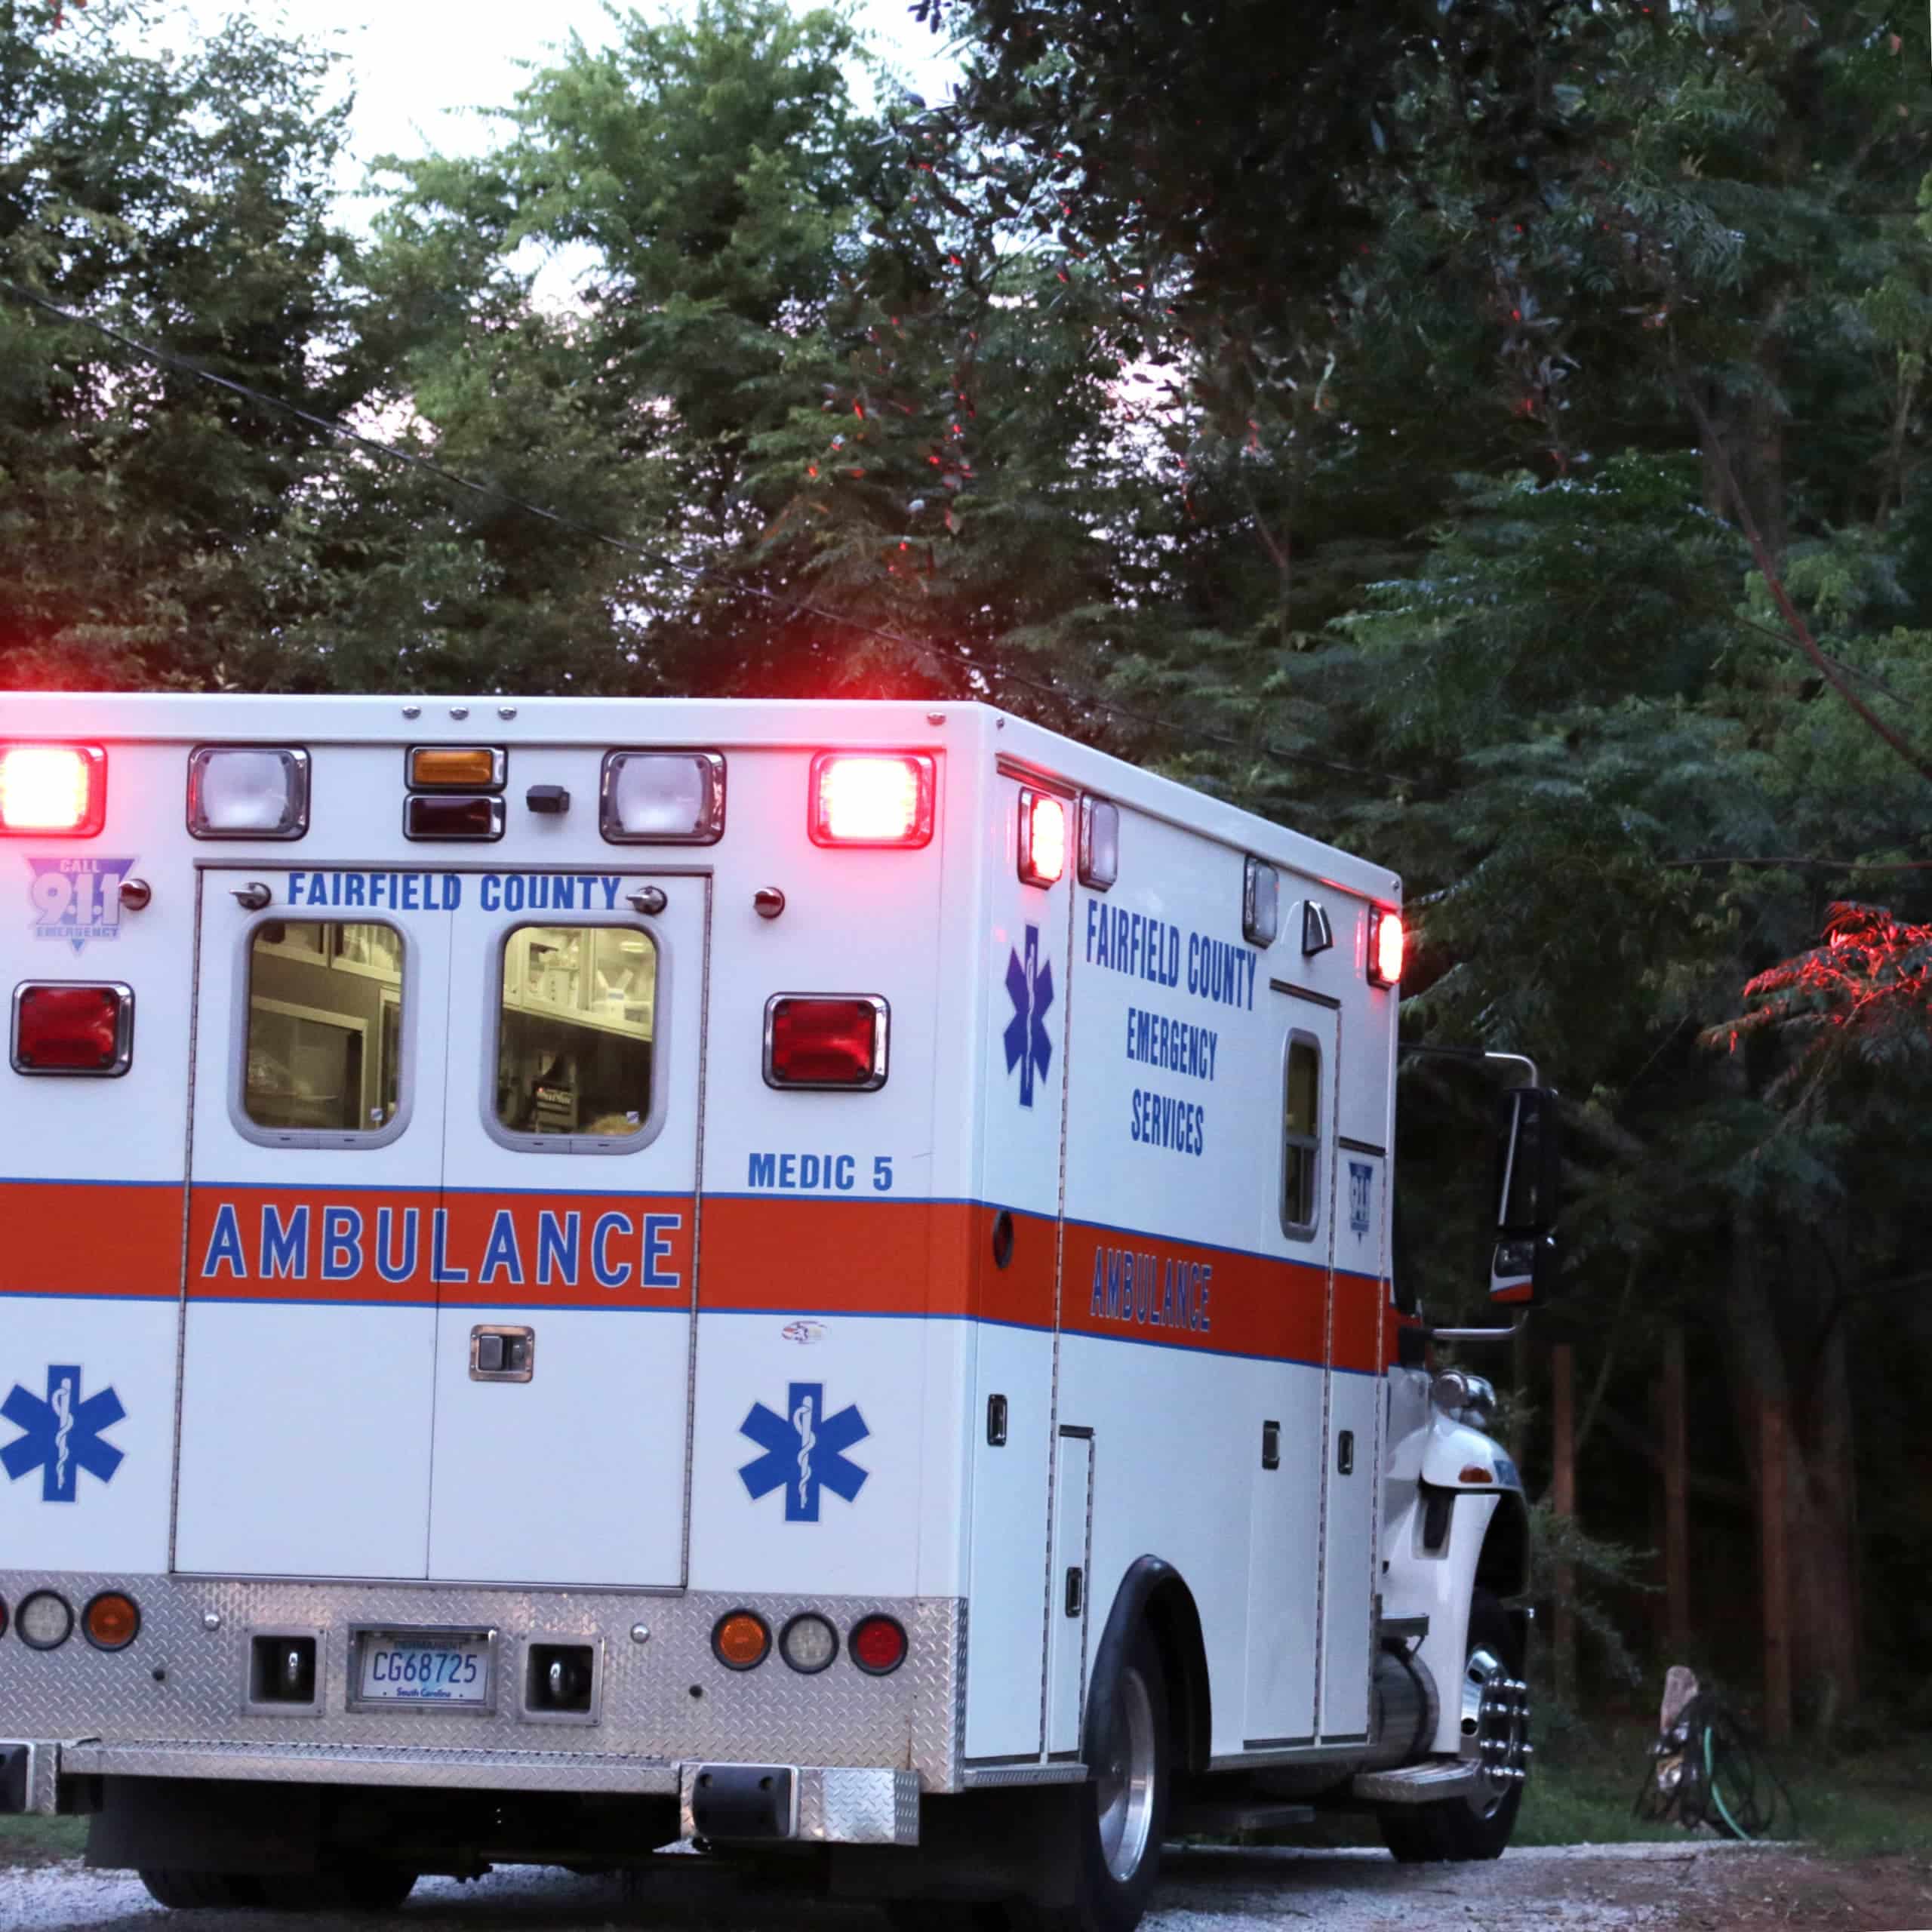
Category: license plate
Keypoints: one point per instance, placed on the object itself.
(428, 1667)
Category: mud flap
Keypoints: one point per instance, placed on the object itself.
(1019, 1843)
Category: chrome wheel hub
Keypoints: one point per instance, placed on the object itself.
(1496, 1728)
(1124, 1787)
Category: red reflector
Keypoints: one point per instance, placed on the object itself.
(72, 1030)
(879, 1645)
(1385, 949)
(825, 1042)
(52, 788)
(859, 799)
(1042, 837)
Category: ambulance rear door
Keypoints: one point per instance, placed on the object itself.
(563, 1333)
(314, 1233)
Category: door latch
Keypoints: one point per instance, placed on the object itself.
(502, 1354)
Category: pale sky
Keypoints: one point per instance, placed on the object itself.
(422, 67)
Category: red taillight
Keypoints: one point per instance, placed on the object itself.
(1385, 949)
(879, 1645)
(861, 798)
(73, 1029)
(838, 1041)
(1042, 837)
(52, 788)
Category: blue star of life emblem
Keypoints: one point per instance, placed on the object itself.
(803, 1451)
(62, 1434)
(1030, 987)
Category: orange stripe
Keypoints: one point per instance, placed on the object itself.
(777, 1253)
(67, 1238)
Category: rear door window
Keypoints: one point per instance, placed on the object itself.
(576, 1030)
(322, 1050)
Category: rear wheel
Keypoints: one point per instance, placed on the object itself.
(200, 1891)
(1123, 1812)
(1495, 1714)
(365, 1886)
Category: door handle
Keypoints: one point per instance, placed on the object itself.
(1345, 1452)
(502, 1354)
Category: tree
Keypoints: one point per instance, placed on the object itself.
(156, 529)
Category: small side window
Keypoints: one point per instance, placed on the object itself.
(577, 1032)
(323, 1049)
(1301, 1137)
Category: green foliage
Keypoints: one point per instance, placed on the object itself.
(155, 530)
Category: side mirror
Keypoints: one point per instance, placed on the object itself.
(1522, 1267)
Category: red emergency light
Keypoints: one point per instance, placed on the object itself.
(73, 1029)
(48, 789)
(1385, 944)
(838, 1042)
(863, 798)
(1042, 837)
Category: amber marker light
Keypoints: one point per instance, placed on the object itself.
(110, 1621)
(742, 1641)
(456, 768)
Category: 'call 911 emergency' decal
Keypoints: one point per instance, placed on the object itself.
(1362, 1178)
(63, 1434)
(803, 1451)
(78, 900)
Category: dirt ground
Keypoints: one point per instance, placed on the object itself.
(1700, 1887)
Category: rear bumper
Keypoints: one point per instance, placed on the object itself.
(179, 1700)
(826, 1805)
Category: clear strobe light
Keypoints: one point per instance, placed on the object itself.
(663, 798)
(248, 791)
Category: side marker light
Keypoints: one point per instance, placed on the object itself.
(1385, 946)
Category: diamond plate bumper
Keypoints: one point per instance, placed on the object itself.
(175, 1703)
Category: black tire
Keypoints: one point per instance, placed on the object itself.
(365, 1886)
(1457, 1830)
(1123, 1812)
(200, 1891)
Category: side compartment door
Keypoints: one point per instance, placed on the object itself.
(313, 1234)
(1286, 1431)
(564, 1330)
(1358, 1296)
(1023, 1085)
(1067, 1609)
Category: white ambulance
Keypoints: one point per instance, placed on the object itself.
(811, 1279)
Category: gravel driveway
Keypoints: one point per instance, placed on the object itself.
(1698, 1885)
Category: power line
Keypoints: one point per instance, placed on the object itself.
(334, 427)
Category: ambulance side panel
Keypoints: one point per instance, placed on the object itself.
(1021, 1076)
(90, 1266)
(1190, 1322)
